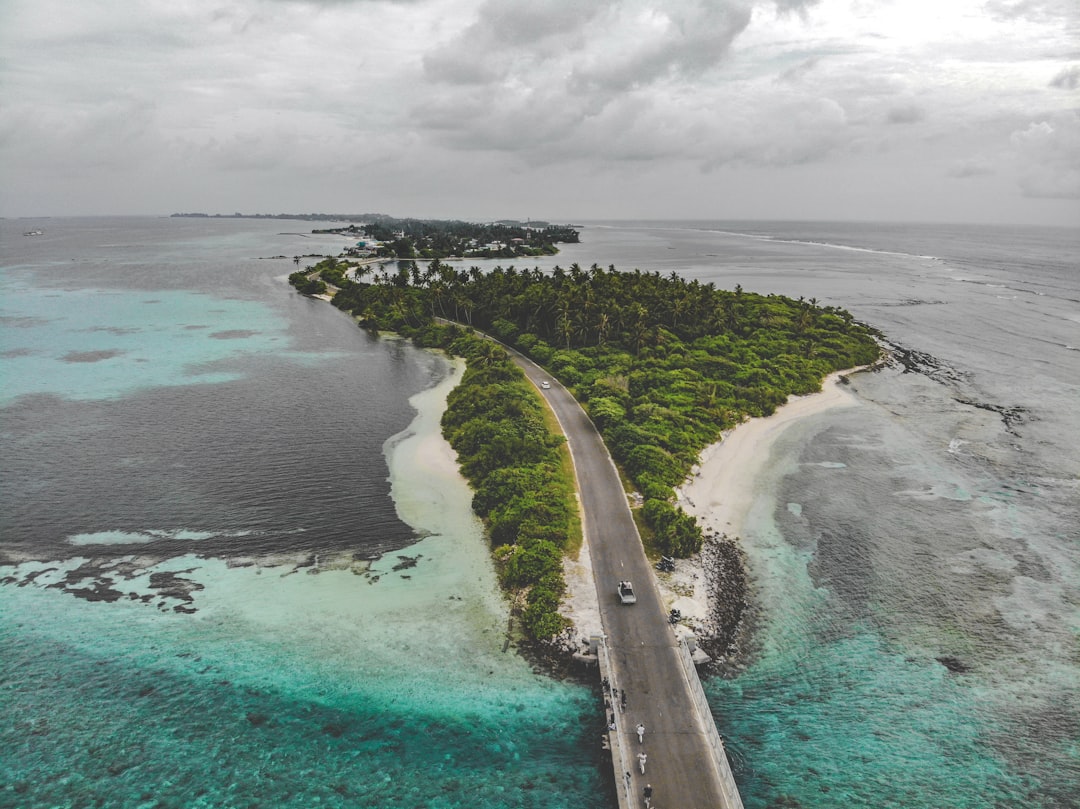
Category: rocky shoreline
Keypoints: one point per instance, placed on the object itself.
(724, 565)
(710, 588)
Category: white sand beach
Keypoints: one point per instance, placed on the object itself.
(722, 491)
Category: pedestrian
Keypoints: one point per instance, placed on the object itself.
(648, 795)
(640, 733)
(622, 700)
(641, 757)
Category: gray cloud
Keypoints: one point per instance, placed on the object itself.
(1040, 10)
(342, 3)
(1068, 78)
(966, 169)
(603, 46)
(800, 71)
(509, 39)
(595, 80)
(906, 114)
(688, 39)
(795, 6)
(525, 24)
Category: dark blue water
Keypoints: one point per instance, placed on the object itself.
(159, 382)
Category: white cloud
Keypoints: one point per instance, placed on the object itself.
(1049, 155)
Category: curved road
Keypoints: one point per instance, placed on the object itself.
(641, 645)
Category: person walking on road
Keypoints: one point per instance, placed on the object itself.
(640, 733)
(648, 795)
(641, 757)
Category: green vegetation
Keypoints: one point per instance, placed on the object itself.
(662, 365)
(513, 461)
(307, 285)
(437, 238)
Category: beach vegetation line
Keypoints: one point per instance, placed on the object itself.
(513, 461)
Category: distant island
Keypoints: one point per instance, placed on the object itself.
(440, 239)
(310, 217)
(373, 218)
(385, 236)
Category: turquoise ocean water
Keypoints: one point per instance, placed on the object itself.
(233, 575)
(241, 579)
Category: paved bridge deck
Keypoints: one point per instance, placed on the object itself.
(686, 764)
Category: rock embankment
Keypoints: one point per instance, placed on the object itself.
(723, 564)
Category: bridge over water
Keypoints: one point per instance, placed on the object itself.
(641, 657)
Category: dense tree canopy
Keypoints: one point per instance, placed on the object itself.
(512, 460)
(662, 365)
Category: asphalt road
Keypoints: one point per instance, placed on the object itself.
(641, 644)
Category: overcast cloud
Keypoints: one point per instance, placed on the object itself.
(952, 110)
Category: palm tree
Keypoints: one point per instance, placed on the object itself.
(603, 326)
(639, 327)
(490, 353)
(565, 327)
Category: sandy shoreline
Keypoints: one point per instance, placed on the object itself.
(722, 491)
(719, 495)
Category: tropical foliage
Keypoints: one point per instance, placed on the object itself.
(662, 365)
(495, 423)
(306, 284)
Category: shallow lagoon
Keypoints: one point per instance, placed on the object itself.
(294, 684)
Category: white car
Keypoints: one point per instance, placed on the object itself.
(545, 385)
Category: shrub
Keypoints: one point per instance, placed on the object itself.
(529, 564)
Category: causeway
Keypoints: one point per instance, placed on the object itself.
(640, 656)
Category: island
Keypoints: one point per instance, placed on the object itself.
(662, 366)
(390, 237)
(387, 237)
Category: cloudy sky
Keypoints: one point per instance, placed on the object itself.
(917, 110)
